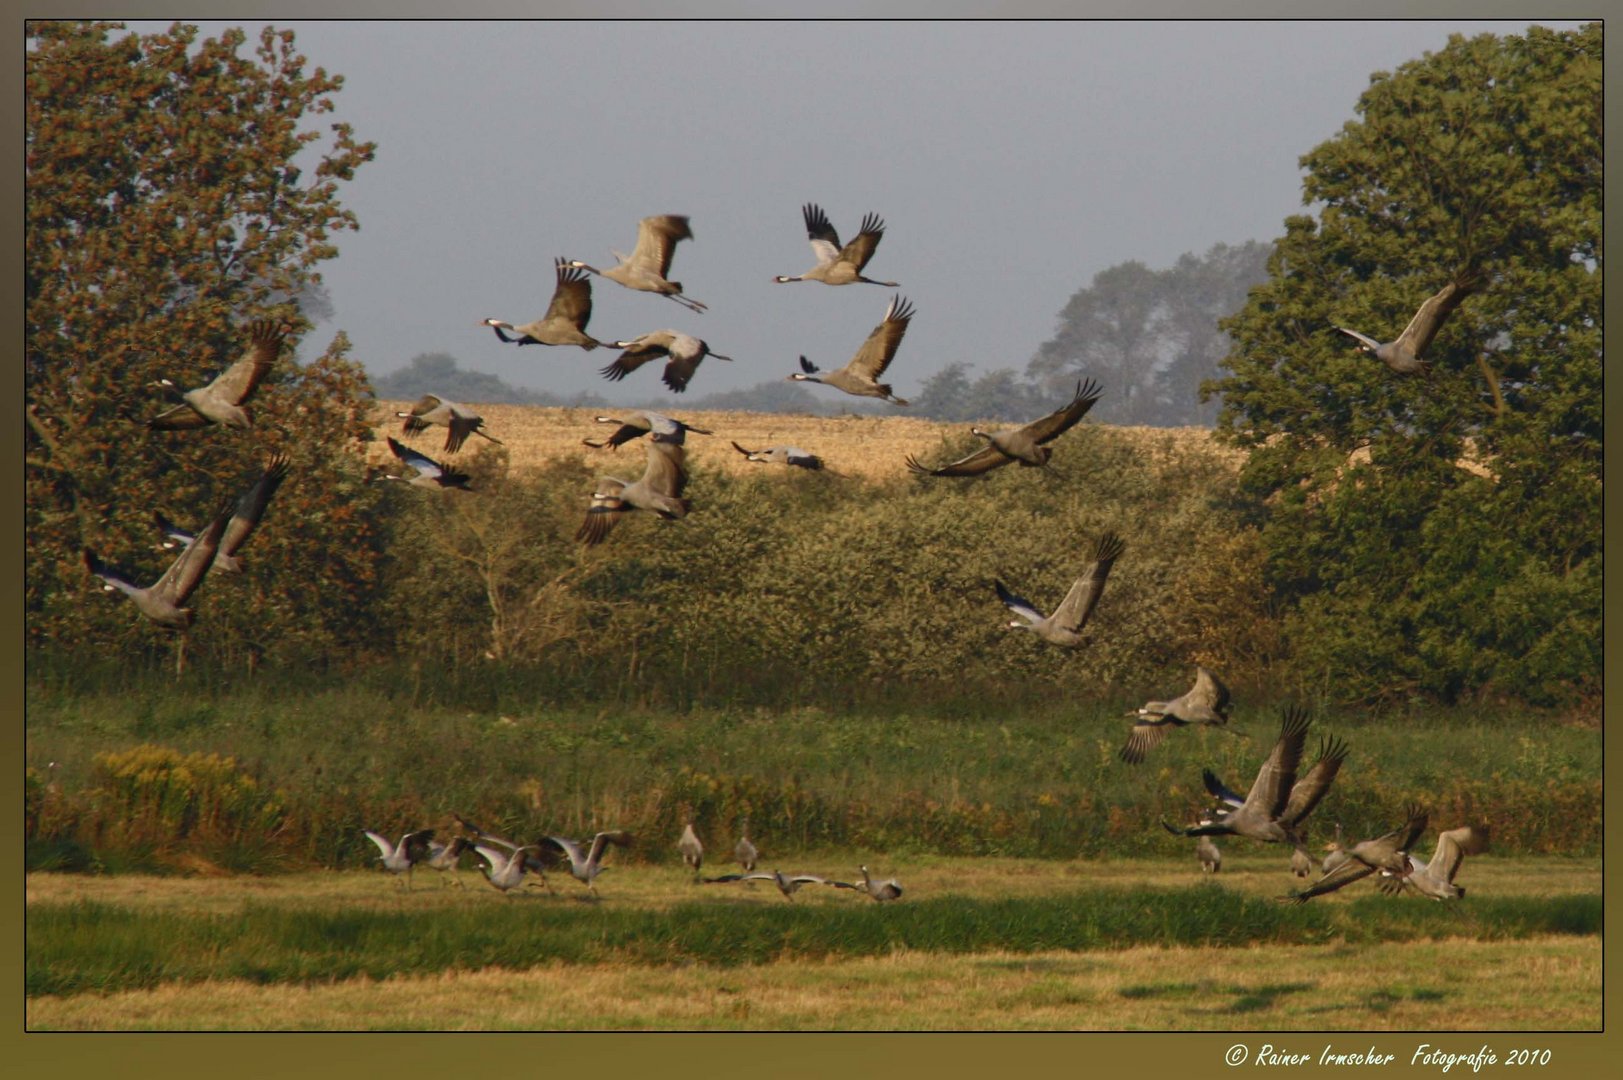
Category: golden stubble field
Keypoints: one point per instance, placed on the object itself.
(873, 448)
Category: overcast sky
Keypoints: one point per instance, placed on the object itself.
(1011, 162)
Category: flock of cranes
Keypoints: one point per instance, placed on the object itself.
(1274, 810)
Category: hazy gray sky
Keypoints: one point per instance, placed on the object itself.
(1010, 161)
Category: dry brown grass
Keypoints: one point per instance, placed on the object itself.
(1541, 984)
(871, 447)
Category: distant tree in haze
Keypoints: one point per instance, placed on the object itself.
(1440, 533)
(776, 396)
(1151, 337)
(438, 373)
(163, 214)
(1001, 395)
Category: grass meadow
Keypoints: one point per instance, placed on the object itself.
(998, 944)
(223, 883)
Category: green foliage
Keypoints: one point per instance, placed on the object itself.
(164, 213)
(1439, 534)
(105, 948)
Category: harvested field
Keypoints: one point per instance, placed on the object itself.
(871, 447)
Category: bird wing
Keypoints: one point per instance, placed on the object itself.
(382, 842)
(1064, 418)
(1271, 789)
(457, 430)
(665, 473)
(622, 435)
(1452, 848)
(108, 574)
(656, 241)
(1017, 604)
(1219, 790)
(419, 461)
(603, 840)
(1365, 338)
(185, 574)
(603, 515)
(571, 298)
(1146, 734)
(862, 245)
(825, 242)
(174, 532)
(679, 370)
(416, 844)
(1209, 691)
(637, 353)
(808, 367)
(983, 460)
(1073, 611)
(180, 417)
(875, 355)
(1348, 872)
(236, 382)
(1431, 316)
(1311, 786)
(747, 453)
(251, 507)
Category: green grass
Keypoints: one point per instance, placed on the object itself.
(87, 946)
(1037, 779)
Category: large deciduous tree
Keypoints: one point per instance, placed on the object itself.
(1439, 533)
(176, 191)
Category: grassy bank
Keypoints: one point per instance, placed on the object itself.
(272, 777)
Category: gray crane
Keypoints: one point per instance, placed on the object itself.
(648, 266)
(838, 265)
(586, 865)
(221, 401)
(446, 855)
(1306, 791)
(787, 455)
(861, 375)
(244, 518)
(659, 490)
(1337, 852)
(1257, 816)
(506, 866)
(459, 421)
(788, 884)
(566, 317)
(1403, 353)
(744, 851)
(400, 858)
(430, 473)
(1435, 878)
(1064, 626)
(1389, 852)
(878, 891)
(663, 427)
(1026, 444)
(1207, 702)
(1211, 859)
(164, 600)
(690, 847)
(684, 353)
